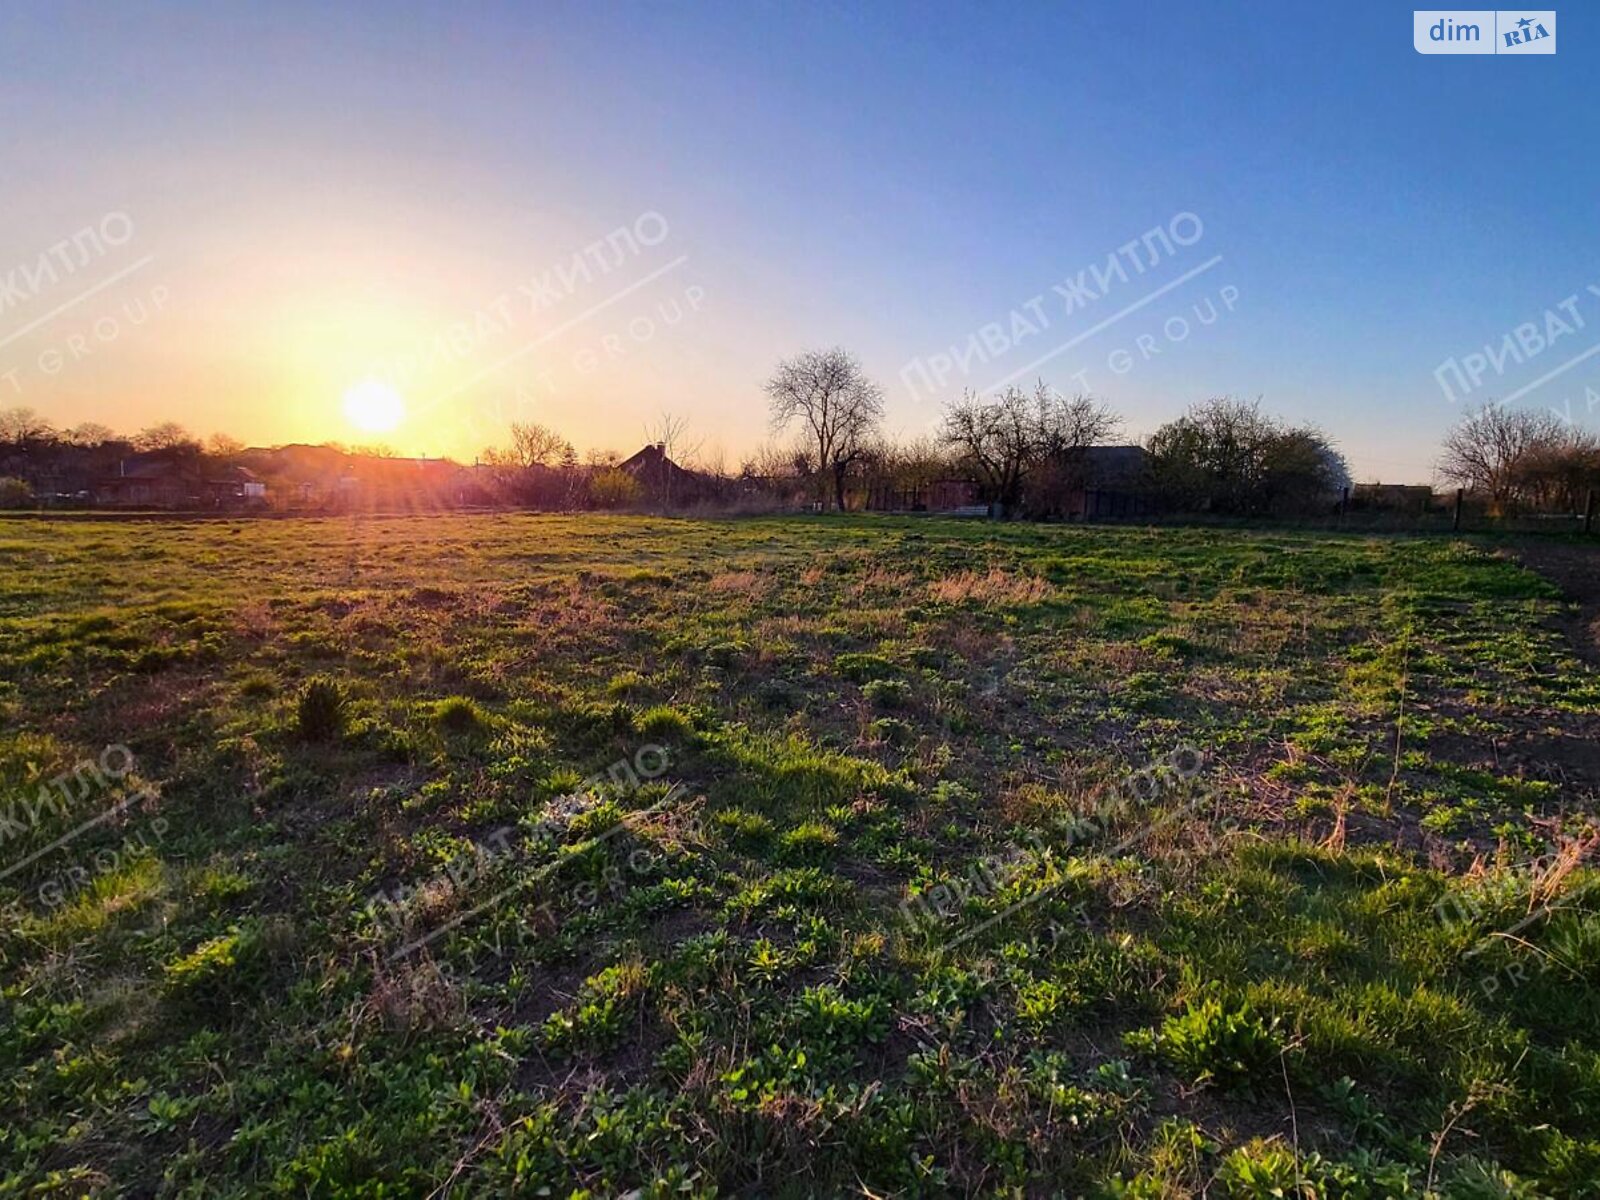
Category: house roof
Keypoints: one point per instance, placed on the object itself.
(154, 464)
(652, 466)
(1113, 464)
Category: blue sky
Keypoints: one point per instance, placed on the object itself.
(319, 191)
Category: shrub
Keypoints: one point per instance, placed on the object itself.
(15, 493)
(321, 715)
(887, 693)
(612, 488)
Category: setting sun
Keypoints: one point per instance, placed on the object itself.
(374, 407)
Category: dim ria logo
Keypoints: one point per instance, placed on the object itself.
(1484, 31)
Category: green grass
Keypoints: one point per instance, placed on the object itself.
(790, 857)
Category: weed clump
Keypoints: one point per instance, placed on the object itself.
(863, 668)
(744, 828)
(894, 731)
(665, 721)
(813, 841)
(228, 970)
(258, 685)
(1210, 1043)
(887, 693)
(321, 712)
(457, 716)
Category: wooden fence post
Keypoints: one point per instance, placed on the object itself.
(1456, 522)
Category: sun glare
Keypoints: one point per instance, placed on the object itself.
(374, 407)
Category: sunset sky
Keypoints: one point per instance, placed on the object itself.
(288, 203)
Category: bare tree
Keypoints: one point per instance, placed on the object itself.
(1007, 439)
(1068, 424)
(995, 440)
(1490, 450)
(531, 446)
(906, 472)
(23, 425)
(839, 407)
(669, 432)
(1558, 476)
(89, 434)
(168, 436)
(1067, 427)
(223, 445)
(528, 470)
(710, 460)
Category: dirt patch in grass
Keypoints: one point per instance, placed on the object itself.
(1575, 569)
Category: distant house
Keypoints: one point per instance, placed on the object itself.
(233, 487)
(168, 480)
(59, 473)
(328, 478)
(1392, 497)
(153, 480)
(663, 481)
(1099, 481)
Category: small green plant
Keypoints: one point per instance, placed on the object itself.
(15, 493)
(748, 829)
(321, 712)
(1261, 1172)
(894, 731)
(726, 654)
(1209, 1042)
(1272, 1171)
(833, 1021)
(258, 685)
(597, 1019)
(1043, 1004)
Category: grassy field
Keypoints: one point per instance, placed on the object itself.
(525, 855)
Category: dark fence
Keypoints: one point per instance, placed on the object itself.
(1441, 513)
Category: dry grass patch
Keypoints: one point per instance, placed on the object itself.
(741, 583)
(995, 587)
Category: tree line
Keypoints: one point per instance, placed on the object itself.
(1029, 450)
(1026, 452)
(1522, 460)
